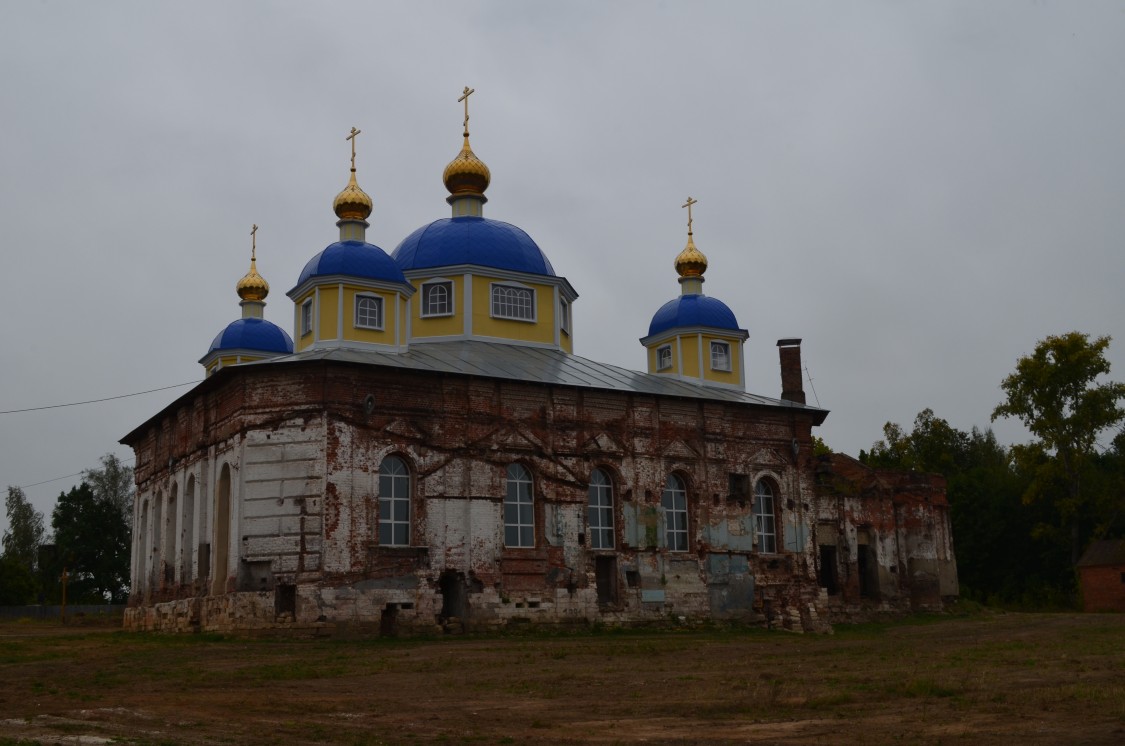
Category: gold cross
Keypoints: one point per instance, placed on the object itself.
(465, 97)
(688, 205)
(352, 138)
(253, 242)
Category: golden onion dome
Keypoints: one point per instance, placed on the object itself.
(253, 286)
(466, 174)
(352, 203)
(691, 262)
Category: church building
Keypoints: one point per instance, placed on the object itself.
(426, 452)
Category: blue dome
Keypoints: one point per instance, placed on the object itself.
(353, 258)
(472, 240)
(253, 334)
(693, 310)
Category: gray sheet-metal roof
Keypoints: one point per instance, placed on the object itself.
(525, 363)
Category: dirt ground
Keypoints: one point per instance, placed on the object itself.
(981, 679)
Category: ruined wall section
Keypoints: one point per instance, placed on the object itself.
(883, 538)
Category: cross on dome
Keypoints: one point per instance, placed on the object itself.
(465, 97)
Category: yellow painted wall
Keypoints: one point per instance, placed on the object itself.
(732, 377)
(567, 342)
(327, 311)
(542, 330)
(390, 317)
(690, 355)
(440, 326)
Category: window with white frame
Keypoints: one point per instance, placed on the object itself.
(519, 508)
(720, 356)
(513, 302)
(764, 518)
(599, 511)
(394, 503)
(306, 317)
(664, 357)
(437, 298)
(674, 502)
(368, 311)
(564, 316)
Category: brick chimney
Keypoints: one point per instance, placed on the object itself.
(791, 388)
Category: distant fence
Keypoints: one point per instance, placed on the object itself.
(52, 612)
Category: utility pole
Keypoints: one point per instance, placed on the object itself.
(62, 609)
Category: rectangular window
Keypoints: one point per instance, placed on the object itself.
(664, 357)
(519, 509)
(564, 316)
(720, 356)
(739, 486)
(437, 299)
(306, 317)
(513, 302)
(368, 312)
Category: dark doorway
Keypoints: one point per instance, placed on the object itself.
(605, 575)
(453, 599)
(828, 569)
(388, 621)
(285, 600)
(868, 572)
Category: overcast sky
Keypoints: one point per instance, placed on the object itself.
(919, 190)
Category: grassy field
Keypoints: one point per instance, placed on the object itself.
(980, 679)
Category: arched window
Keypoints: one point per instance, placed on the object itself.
(519, 510)
(220, 544)
(369, 311)
(187, 553)
(141, 554)
(394, 503)
(600, 511)
(674, 502)
(764, 517)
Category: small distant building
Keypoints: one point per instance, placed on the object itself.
(1101, 574)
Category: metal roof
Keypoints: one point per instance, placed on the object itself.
(472, 240)
(1104, 552)
(536, 364)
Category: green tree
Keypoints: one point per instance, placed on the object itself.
(17, 583)
(92, 544)
(997, 557)
(25, 530)
(1055, 394)
(113, 483)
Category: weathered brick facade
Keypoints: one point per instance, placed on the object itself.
(258, 507)
(883, 540)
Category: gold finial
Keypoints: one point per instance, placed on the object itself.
(252, 286)
(691, 262)
(465, 97)
(466, 174)
(352, 203)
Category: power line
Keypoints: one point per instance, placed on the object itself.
(94, 401)
(68, 476)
